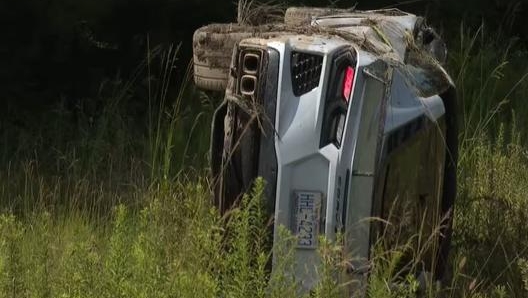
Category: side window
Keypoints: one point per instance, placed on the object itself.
(338, 97)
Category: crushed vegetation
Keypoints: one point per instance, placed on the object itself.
(254, 13)
(213, 45)
(375, 33)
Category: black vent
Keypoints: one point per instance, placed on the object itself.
(305, 71)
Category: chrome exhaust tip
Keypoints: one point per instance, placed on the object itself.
(248, 84)
(250, 63)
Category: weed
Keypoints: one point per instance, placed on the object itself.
(112, 206)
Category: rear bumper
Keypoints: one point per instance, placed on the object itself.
(280, 142)
(243, 141)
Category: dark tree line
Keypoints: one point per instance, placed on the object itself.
(54, 48)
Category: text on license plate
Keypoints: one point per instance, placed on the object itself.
(306, 218)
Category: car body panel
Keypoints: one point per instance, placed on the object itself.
(392, 143)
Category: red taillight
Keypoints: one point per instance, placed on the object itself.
(348, 83)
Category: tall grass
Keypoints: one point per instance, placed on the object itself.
(490, 237)
(94, 158)
(116, 203)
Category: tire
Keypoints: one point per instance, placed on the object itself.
(427, 284)
(450, 184)
(296, 16)
(212, 52)
(427, 38)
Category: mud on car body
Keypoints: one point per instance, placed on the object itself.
(347, 115)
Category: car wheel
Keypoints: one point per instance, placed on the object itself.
(427, 38)
(303, 15)
(450, 183)
(212, 52)
(427, 284)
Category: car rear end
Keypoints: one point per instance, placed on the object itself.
(286, 118)
(309, 114)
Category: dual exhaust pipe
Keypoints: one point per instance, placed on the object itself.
(250, 68)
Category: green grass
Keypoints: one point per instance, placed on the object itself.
(117, 204)
(490, 241)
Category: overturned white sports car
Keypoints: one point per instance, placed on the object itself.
(348, 116)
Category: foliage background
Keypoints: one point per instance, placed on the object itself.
(44, 57)
(103, 188)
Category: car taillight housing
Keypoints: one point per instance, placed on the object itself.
(340, 88)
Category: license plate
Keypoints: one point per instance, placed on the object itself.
(307, 218)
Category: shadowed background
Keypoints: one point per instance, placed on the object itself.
(57, 49)
(87, 125)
